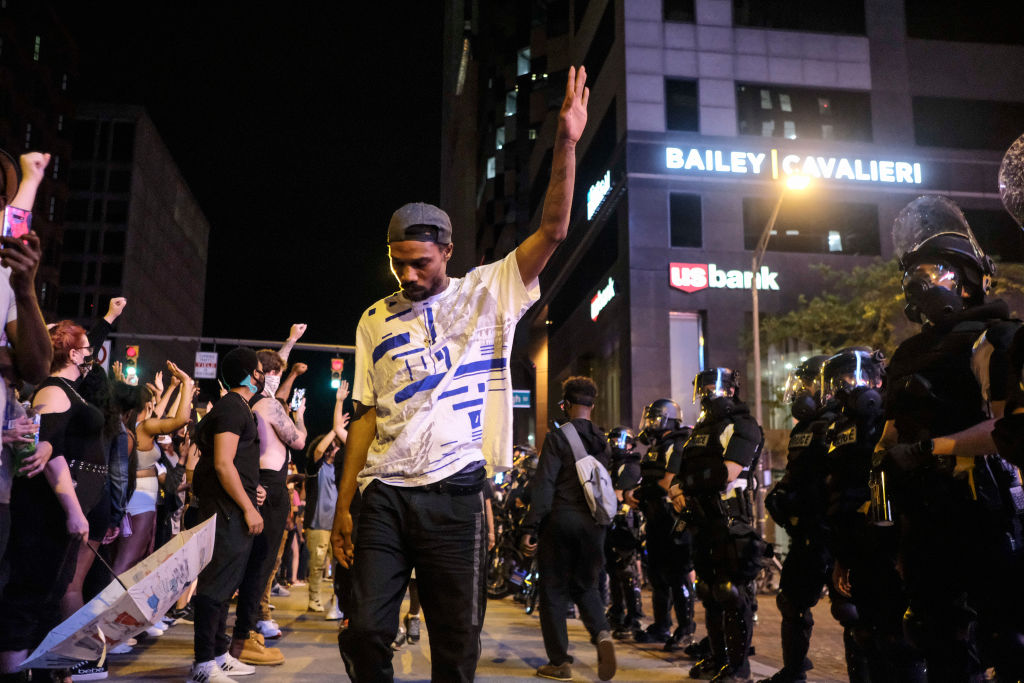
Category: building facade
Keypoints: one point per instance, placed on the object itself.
(133, 229)
(699, 111)
(38, 65)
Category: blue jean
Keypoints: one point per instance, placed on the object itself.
(442, 536)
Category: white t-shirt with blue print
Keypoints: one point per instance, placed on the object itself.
(437, 373)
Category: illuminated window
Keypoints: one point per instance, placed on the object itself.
(491, 167)
(805, 113)
(35, 48)
(532, 134)
(510, 103)
(499, 138)
(64, 82)
(811, 226)
(523, 62)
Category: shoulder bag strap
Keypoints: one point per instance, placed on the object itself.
(575, 443)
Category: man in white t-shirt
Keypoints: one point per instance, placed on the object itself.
(433, 406)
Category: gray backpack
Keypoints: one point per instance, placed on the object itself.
(594, 478)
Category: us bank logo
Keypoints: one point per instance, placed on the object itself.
(693, 277)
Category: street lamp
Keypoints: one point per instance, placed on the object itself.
(796, 183)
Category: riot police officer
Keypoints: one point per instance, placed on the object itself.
(667, 541)
(797, 504)
(947, 385)
(715, 487)
(624, 537)
(867, 597)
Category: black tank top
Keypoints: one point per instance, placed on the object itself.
(77, 434)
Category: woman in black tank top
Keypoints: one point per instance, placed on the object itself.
(48, 513)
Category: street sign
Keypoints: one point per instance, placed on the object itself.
(206, 365)
(521, 398)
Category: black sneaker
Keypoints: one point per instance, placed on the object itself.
(412, 628)
(651, 635)
(679, 640)
(89, 671)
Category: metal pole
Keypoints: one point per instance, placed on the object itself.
(762, 245)
(335, 348)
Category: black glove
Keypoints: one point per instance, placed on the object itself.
(907, 457)
(1009, 437)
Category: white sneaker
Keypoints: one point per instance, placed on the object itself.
(122, 649)
(233, 667)
(154, 632)
(333, 613)
(208, 672)
(315, 605)
(269, 628)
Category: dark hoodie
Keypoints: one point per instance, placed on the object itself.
(555, 486)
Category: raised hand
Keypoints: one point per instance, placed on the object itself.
(572, 118)
(299, 368)
(178, 373)
(117, 370)
(342, 392)
(33, 167)
(297, 330)
(115, 308)
(158, 382)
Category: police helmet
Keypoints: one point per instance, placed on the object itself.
(526, 461)
(715, 383)
(805, 380)
(621, 438)
(661, 415)
(932, 231)
(850, 369)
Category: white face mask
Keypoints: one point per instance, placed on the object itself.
(271, 384)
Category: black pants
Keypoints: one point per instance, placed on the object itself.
(624, 602)
(264, 551)
(804, 574)
(220, 578)
(671, 589)
(444, 537)
(570, 555)
(41, 559)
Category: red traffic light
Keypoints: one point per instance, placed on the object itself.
(132, 352)
(337, 364)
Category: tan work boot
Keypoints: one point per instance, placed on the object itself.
(252, 651)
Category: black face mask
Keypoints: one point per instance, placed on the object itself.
(927, 301)
(717, 408)
(804, 407)
(863, 402)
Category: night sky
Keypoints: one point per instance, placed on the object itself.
(299, 127)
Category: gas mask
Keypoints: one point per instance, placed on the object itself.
(933, 293)
(717, 407)
(272, 383)
(863, 402)
(804, 407)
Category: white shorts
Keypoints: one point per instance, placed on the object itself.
(146, 496)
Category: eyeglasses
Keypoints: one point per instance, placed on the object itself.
(87, 349)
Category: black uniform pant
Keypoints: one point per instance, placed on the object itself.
(727, 558)
(624, 603)
(805, 573)
(444, 537)
(263, 556)
(569, 557)
(220, 578)
(669, 566)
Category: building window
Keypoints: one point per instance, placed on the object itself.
(510, 103)
(491, 167)
(113, 243)
(499, 137)
(110, 275)
(681, 112)
(813, 227)
(532, 134)
(117, 211)
(679, 10)
(557, 18)
(523, 62)
(966, 124)
(28, 136)
(64, 82)
(837, 16)
(788, 112)
(56, 167)
(35, 48)
(60, 123)
(990, 22)
(71, 273)
(119, 181)
(124, 140)
(685, 220)
(52, 209)
(68, 304)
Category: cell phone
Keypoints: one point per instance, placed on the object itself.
(297, 397)
(17, 222)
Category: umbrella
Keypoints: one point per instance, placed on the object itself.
(135, 601)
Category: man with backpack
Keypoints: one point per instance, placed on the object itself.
(569, 513)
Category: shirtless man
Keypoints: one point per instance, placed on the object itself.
(277, 433)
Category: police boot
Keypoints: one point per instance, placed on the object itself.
(698, 650)
(652, 634)
(730, 674)
(784, 676)
(680, 639)
(858, 666)
(706, 669)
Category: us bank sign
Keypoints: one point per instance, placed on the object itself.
(775, 165)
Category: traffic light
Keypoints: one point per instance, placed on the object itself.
(131, 369)
(337, 365)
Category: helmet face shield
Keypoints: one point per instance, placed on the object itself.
(661, 415)
(797, 385)
(933, 274)
(620, 438)
(714, 383)
(927, 218)
(849, 370)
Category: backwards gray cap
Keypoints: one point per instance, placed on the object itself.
(420, 222)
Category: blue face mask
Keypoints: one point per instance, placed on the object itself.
(251, 385)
